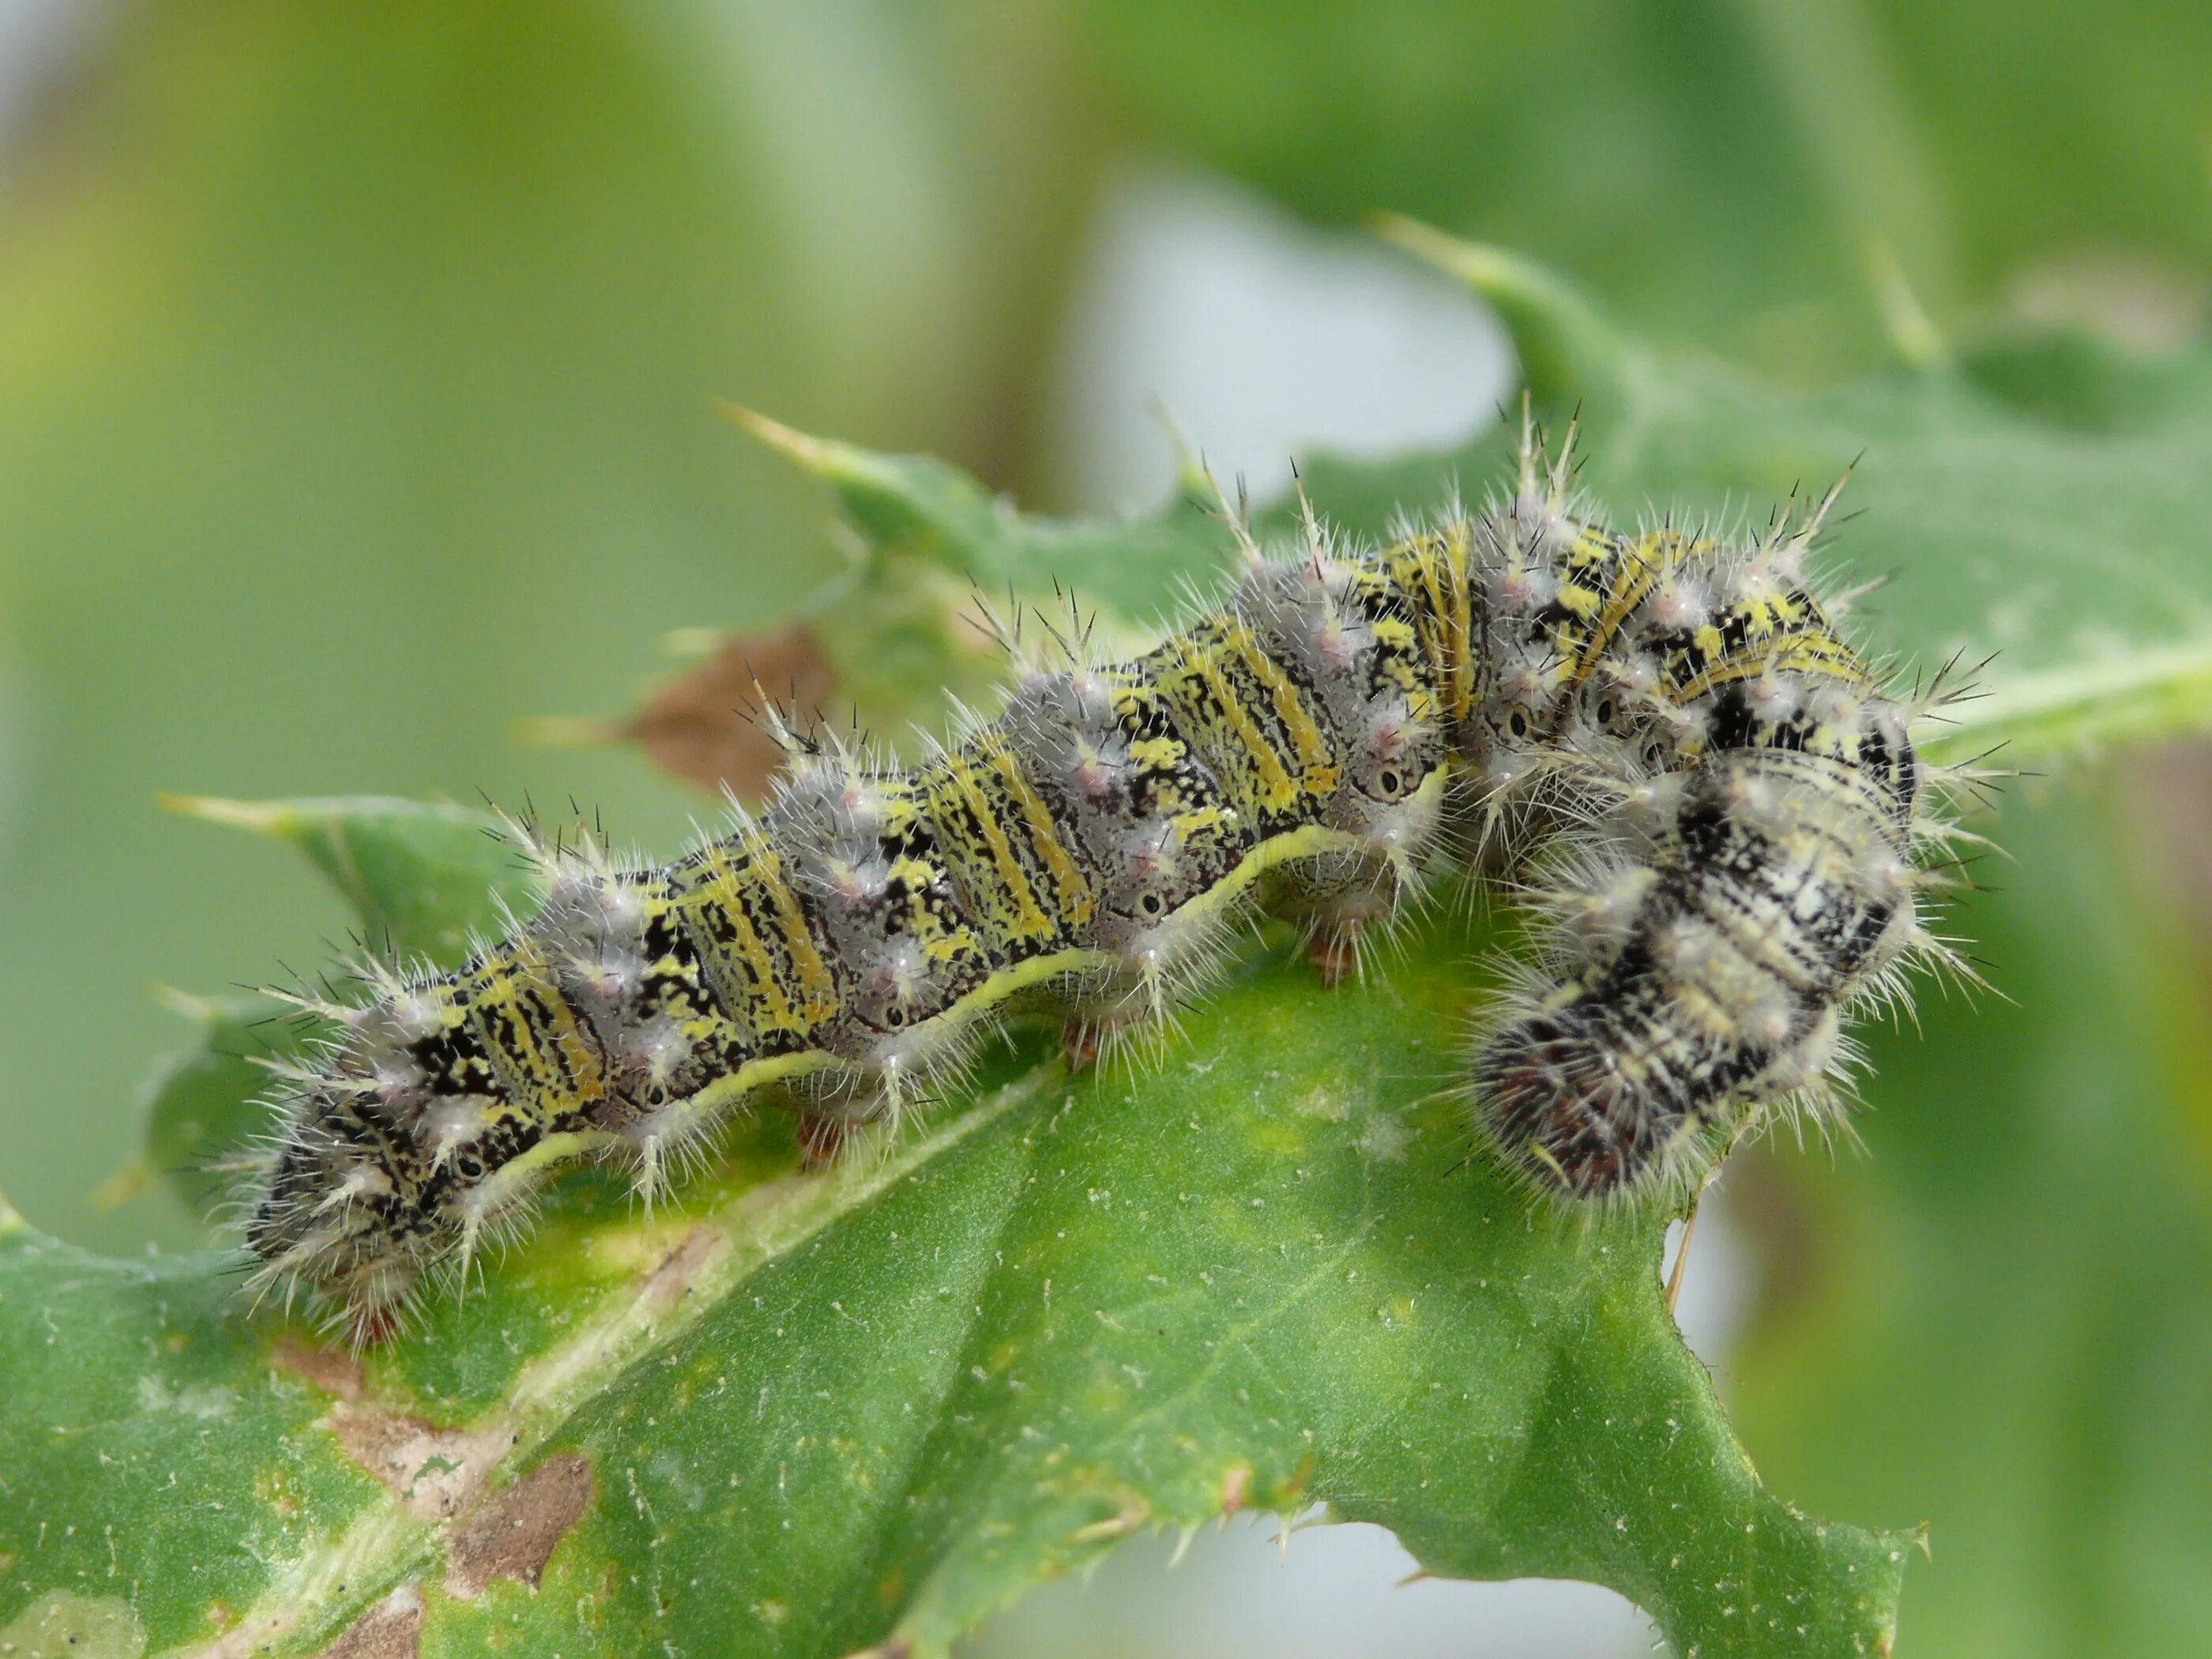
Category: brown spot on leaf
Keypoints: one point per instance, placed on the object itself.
(511, 1534)
(393, 1629)
(432, 1471)
(332, 1371)
(698, 725)
(671, 1282)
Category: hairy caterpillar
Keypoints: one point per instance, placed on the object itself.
(1710, 795)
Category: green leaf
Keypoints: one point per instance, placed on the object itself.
(421, 875)
(811, 1412)
(1999, 1320)
(917, 508)
(205, 1101)
(156, 1463)
(904, 630)
(2038, 499)
(2005, 509)
(1761, 174)
(1261, 1276)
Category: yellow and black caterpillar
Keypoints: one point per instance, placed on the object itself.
(1709, 793)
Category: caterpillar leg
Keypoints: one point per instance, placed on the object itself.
(1338, 954)
(821, 1138)
(1086, 1040)
(1347, 902)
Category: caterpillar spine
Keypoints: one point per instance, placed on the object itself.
(1731, 802)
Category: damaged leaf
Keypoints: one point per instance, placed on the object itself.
(806, 1413)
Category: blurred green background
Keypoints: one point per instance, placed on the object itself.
(357, 371)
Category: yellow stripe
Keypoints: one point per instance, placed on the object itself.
(1460, 551)
(1435, 570)
(1811, 654)
(1076, 901)
(1275, 777)
(1306, 739)
(538, 1024)
(1642, 563)
(1030, 917)
(817, 993)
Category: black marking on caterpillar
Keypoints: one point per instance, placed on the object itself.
(1712, 799)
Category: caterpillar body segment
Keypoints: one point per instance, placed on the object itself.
(1731, 804)
(1698, 978)
(1745, 875)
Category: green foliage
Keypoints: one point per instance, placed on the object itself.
(420, 876)
(1999, 1321)
(1261, 1275)
(2036, 502)
(1756, 174)
(902, 630)
(810, 1411)
(203, 1105)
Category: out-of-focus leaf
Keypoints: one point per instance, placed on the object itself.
(1755, 173)
(2028, 525)
(705, 724)
(940, 566)
(914, 628)
(419, 874)
(357, 369)
(2007, 502)
(1999, 1321)
(917, 508)
(204, 1104)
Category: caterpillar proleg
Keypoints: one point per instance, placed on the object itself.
(1710, 799)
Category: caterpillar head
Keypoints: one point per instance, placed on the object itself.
(338, 1217)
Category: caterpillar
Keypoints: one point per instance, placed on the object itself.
(1712, 800)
